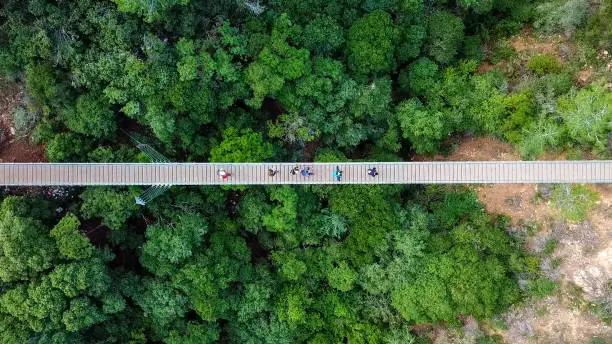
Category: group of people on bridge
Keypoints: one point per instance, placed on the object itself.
(305, 172)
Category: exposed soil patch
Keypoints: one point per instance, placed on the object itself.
(11, 148)
(514, 200)
(476, 148)
(584, 76)
(584, 250)
(525, 42)
(552, 320)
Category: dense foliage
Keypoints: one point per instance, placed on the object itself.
(301, 266)
(276, 80)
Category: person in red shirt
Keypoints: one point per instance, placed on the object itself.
(222, 174)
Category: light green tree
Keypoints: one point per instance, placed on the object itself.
(70, 242)
(245, 146)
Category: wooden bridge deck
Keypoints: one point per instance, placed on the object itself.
(486, 172)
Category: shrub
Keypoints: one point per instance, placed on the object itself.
(574, 201)
(543, 64)
(564, 15)
(558, 84)
(550, 246)
(24, 121)
(502, 51)
(520, 113)
(598, 31)
(541, 287)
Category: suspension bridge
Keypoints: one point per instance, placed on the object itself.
(168, 174)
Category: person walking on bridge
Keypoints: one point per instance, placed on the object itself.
(338, 173)
(372, 172)
(271, 172)
(307, 172)
(222, 174)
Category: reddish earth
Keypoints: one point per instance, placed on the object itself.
(584, 250)
(514, 200)
(527, 43)
(13, 149)
(476, 148)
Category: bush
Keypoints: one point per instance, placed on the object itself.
(543, 64)
(598, 31)
(520, 113)
(574, 201)
(564, 15)
(24, 121)
(472, 48)
(541, 287)
(550, 246)
(502, 51)
(558, 84)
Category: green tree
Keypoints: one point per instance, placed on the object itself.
(420, 77)
(478, 6)
(457, 275)
(114, 207)
(245, 146)
(168, 246)
(277, 63)
(90, 116)
(150, 11)
(81, 313)
(25, 246)
(89, 277)
(289, 266)
(283, 216)
(342, 277)
(161, 303)
(370, 43)
(66, 147)
(445, 34)
(322, 36)
(70, 242)
(424, 129)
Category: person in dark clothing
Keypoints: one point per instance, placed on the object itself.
(372, 172)
(294, 170)
(271, 172)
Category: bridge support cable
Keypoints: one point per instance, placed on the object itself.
(155, 190)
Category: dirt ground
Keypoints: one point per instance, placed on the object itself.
(515, 200)
(525, 43)
(583, 249)
(565, 49)
(11, 148)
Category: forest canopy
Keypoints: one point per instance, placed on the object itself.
(276, 80)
